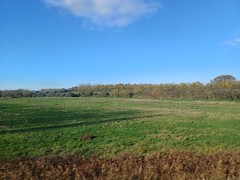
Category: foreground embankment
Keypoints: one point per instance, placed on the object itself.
(176, 165)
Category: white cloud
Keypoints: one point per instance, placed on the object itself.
(233, 42)
(113, 13)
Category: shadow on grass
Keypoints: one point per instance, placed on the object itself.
(78, 124)
(23, 118)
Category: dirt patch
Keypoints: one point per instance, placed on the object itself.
(87, 137)
(176, 165)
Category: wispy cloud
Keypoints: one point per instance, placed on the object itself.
(233, 42)
(113, 13)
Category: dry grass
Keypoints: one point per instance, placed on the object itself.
(176, 165)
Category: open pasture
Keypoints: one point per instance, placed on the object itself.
(107, 127)
(115, 138)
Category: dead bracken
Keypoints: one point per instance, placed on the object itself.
(176, 165)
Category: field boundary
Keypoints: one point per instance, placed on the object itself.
(176, 165)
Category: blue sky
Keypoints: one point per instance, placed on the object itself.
(62, 43)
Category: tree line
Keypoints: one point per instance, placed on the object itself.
(224, 87)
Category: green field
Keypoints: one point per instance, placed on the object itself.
(106, 127)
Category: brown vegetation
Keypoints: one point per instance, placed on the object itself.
(159, 166)
(222, 87)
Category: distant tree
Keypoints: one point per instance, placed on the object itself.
(25, 92)
(224, 78)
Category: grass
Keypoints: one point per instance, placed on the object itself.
(37, 127)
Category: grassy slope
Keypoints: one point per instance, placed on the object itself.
(54, 126)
